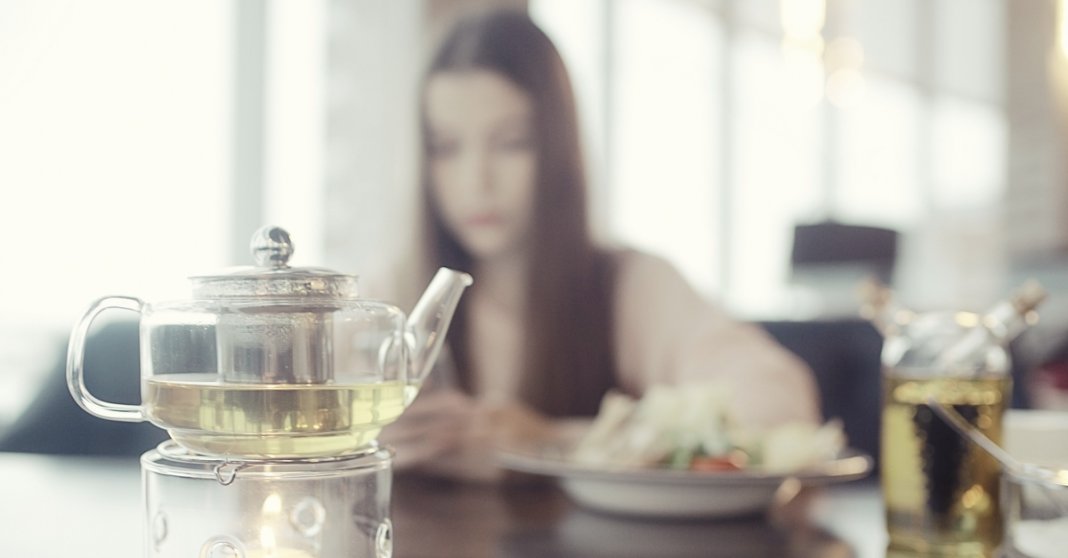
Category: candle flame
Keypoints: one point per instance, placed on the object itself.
(272, 504)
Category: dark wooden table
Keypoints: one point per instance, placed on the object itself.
(434, 518)
(52, 506)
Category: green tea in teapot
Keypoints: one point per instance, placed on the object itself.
(271, 421)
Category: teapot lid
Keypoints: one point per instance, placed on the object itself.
(272, 277)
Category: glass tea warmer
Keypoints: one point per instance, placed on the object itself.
(940, 491)
(273, 383)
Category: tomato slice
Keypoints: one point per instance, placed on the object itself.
(733, 461)
(710, 463)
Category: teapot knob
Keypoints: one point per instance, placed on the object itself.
(271, 247)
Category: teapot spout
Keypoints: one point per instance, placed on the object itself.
(429, 320)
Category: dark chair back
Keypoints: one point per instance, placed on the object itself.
(55, 424)
(845, 356)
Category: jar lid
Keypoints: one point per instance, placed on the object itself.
(272, 277)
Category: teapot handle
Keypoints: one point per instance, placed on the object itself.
(76, 362)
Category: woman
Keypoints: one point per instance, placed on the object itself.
(553, 321)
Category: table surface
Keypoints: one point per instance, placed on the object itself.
(53, 506)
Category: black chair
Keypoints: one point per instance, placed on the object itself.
(845, 356)
(55, 424)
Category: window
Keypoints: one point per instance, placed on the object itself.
(712, 117)
(115, 142)
(116, 150)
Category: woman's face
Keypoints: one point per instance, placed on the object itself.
(482, 160)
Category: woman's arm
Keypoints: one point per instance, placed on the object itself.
(667, 333)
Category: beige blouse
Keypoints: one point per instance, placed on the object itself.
(665, 333)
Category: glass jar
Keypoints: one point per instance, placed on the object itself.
(940, 491)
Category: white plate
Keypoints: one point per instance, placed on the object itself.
(672, 493)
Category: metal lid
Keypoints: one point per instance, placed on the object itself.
(272, 277)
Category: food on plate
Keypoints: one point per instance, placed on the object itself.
(689, 426)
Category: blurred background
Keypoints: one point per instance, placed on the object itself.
(143, 142)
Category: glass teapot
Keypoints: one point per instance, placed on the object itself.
(272, 361)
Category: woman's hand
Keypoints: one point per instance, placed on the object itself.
(433, 425)
(450, 434)
(492, 426)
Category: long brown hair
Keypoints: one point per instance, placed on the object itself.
(568, 358)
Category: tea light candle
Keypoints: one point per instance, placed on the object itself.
(268, 545)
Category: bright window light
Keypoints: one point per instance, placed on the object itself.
(115, 142)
